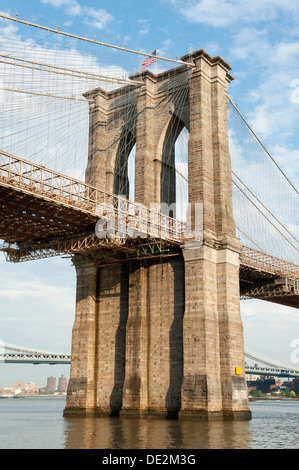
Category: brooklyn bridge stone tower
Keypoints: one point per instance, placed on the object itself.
(163, 337)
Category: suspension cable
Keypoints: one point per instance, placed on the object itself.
(249, 127)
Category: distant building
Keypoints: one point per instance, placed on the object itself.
(252, 377)
(5, 392)
(62, 384)
(266, 385)
(30, 388)
(18, 384)
(51, 384)
(296, 385)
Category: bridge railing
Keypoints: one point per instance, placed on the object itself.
(41, 181)
(35, 359)
(129, 218)
(267, 263)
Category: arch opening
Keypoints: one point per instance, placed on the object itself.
(174, 170)
(124, 167)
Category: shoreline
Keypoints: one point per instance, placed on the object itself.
(251, 399)
(273, 399)
(35, 396)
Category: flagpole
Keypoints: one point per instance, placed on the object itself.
(151, 58)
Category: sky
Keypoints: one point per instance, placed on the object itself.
(260, 40)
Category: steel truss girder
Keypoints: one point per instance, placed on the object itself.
(89, 247)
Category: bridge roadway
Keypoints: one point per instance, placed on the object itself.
(45, 213)
(271, 372)
(34, 359)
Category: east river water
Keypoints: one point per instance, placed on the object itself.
(37, 423)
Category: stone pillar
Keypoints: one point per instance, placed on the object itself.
(154, 340)
(111, 340)
(161, 338)
(108, 138)
(201, 388)
(81, 393)
(166, 298)
(96, 170)
(231, 341)
(145, 183)
(213, 335)
(135, 391)
(98, 344)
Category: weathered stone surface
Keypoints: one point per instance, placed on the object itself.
(163, 338)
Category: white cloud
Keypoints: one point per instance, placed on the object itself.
(269, 328)
(97, 18)
(284, 52)
(288, 158)
(15, 289)
(74, 9)
(271, 67)
(162, 51)
(274, 115)
(251, 44)
(9, 30)
(223, 13)
(59, 3)
(258, 308)
(268, 62)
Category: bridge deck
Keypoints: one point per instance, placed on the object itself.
(45, 213)
(266, 277)
(49, 202)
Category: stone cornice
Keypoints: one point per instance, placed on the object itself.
(212, 61)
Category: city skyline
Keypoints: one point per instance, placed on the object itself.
(260, 41)
(58, 385)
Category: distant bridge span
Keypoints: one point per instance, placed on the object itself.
(23, 355)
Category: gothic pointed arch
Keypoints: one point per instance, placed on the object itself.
(121, 185)
(169, 162)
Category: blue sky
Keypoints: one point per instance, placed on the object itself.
(260, 40)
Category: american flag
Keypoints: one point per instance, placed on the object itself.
(150, 60)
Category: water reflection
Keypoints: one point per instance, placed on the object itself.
(38, 423)
(113, 433)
